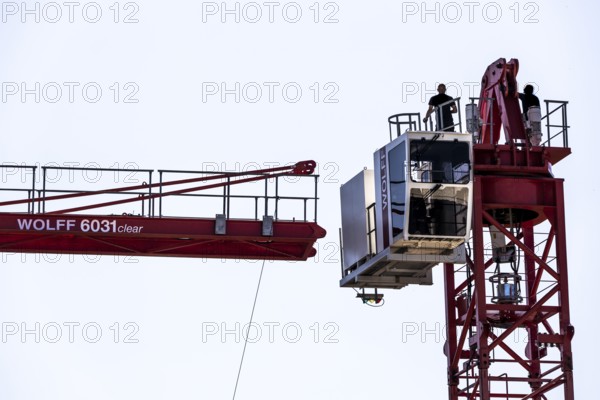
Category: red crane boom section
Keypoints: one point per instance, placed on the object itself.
(62, 232)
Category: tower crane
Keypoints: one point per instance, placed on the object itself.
(439, 197)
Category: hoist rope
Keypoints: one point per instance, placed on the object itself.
(248, 330)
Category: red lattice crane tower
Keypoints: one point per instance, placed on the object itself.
(518, 201)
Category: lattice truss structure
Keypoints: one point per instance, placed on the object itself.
(507, 310)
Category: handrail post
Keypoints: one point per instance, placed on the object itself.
(31, 206)
(459, 116)
(224, 200)
(276, 197)
(491, 130)
(548, 121)
(42, 207)
(304, 215)
(266, 197)
(228, 197)
(150, 199)
(566, 126)
(316, 186)
(160, 177)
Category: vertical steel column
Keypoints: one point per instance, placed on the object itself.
(31, 206)
(451, 340)
(566, 329)
(482, 325)
(532, 349)
(160, 190)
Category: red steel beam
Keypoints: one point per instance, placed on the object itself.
(451, 346)
(512, 353)
(482, 324)
(518, 243)
(173, 237)
(519, 322)
(532, 350)
(463, 333)
(538, 278)
(563, 299)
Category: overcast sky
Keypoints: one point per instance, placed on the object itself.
(238, 85)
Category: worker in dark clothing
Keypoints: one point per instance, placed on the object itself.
(533, 126)
(444, 120)
(528, 99)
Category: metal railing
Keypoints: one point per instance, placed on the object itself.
(39, 193)
(226, 196)
(555, 130)
(30, 192)
(439, 117)
(44, 191)
(403, 122)
(556, 121)
(406, 119)
(477, 135)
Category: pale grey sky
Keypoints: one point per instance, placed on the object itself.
(305, 80)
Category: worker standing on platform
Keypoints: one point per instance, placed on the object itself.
(531, 115)
(528, 99)
(444, 120)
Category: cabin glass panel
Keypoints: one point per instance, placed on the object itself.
(433, 161)
(439, 212)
